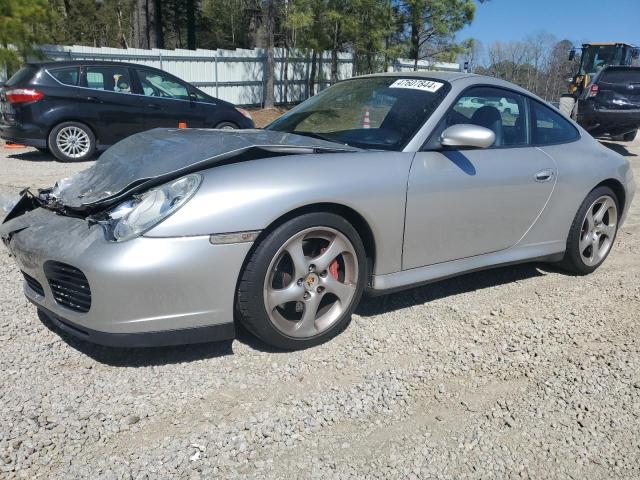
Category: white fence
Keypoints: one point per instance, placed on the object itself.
(234, 75)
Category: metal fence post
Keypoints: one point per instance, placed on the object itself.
(160, 58)
(215, 63)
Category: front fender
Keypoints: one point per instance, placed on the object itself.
(252, 195)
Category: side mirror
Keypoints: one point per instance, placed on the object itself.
(572, 54)
(192, 96)
(467, 135)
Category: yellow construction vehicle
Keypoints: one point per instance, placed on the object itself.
(594, 57)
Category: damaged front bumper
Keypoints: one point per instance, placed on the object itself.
(142, 292)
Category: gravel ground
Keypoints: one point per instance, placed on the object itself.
(519, 372)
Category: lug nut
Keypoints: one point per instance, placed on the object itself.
(299, 282)
(323, 274)
(306, 296)
(320, 289)
(312, 267)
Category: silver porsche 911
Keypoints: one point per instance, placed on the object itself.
(378, 183)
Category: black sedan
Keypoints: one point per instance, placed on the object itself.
(77, 108)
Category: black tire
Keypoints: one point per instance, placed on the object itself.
(629, 137)
(62, 156)
(227, 126)
(250, 302)
(572, 260)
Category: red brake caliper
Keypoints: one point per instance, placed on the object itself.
(334, 267)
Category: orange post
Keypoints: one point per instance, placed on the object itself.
(182, 125)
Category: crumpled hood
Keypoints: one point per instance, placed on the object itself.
(148, 158)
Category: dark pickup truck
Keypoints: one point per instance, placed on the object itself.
(611, 103)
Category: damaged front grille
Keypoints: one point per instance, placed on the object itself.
(69, 286)
(33, 284)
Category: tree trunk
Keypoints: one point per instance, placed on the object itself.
(285, 71)
(312, 74)
(269, 20)
(159, 30)
(415, 45)
(121, 36)
(334, 54)
(191, 25)
(140, 37)
(152, 39)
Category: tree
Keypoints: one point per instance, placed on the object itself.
(23, 23)
(433, 25)
(269, 21)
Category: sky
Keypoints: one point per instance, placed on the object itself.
(576, 20)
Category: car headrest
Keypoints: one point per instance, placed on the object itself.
(486, 116)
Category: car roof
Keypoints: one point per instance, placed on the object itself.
(467, 79)
(75, 63)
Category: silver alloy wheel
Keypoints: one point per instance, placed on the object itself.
(598, 230)
(311, 282)
(74, 142)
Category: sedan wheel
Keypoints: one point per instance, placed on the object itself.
(593, 231)
(72, 142)
(311, 272)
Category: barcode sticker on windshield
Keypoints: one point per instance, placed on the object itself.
(426, 85)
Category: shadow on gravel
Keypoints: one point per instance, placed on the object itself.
(618, 148)
(142, 357)
(370, 306)
(31, 156)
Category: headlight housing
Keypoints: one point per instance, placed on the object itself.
(132, 218)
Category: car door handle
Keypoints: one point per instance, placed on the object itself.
(544, 175)
(93, 99)
(155, 106)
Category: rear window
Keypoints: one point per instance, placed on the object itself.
(68, 76)
(550, 127)
(619, 76)
(22, 76)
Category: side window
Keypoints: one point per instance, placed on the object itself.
(157, 85)
(68, 76)
(499, 110)
(550, 127)
(111, 79)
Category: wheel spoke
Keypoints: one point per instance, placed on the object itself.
(300, 263)
(344, 291)
(585, 241)
(307, 325)
(335, 248)
(277, 297)
(608, 230)
(599, 215)
(590, 220)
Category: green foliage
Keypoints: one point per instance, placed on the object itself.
(376, 31)
(22, 24)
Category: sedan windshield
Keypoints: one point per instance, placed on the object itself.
(381, 113)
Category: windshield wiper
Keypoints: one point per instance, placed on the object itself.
(321, 137)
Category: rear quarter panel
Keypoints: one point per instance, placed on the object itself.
(582, 165)
(252, 195)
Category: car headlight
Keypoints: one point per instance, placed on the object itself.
(134, 217)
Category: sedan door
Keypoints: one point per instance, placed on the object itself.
(167, 101)
(109, 104)
(462, 203)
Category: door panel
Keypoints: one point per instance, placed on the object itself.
(108, 101)
(462, 203)
(166, 101)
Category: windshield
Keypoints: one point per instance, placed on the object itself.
(381, 113)
(596, 57)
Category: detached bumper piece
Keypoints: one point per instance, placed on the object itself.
(164, 338)
(69, 286)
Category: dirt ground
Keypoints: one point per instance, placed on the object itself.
(263, 117)
(517, 372)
